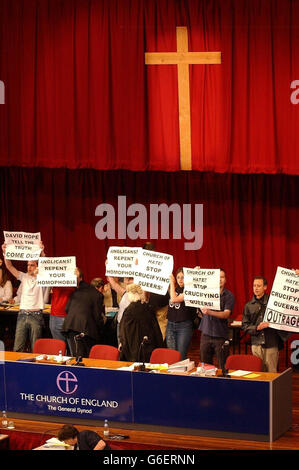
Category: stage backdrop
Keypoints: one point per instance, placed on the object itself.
(79, 95)
(250, 222)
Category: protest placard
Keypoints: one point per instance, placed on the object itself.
(121, 261)
(202, 288)
(282, 311)
(22, 246)
(153, 271)
(58, 272)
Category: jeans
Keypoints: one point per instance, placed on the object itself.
(28, 323)
(56, 324)
(179, 335)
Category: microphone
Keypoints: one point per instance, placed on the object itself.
(223, 359)
(143, 342)
(78, 357)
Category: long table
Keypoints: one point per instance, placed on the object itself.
(243, 408)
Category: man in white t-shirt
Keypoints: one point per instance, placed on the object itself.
(33, 297)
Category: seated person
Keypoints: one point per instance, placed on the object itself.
(5, 285)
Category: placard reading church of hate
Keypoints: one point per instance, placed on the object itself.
(202, 288)
(282, 310)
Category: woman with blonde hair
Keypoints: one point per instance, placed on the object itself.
(139, 330)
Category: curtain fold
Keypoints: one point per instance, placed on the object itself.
(79, 95)
(250, 222)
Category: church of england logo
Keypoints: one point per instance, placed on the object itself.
(67, 382)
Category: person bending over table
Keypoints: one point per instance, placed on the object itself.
(83, 440)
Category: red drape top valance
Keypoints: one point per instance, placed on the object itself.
(79, 95)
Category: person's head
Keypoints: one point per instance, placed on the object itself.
(149, 246)
(179, 277)
(260, 285)
(128, 280)
(222, 278)
(31, 267)
(79, 275)
(68, 434)
(98, 283)
(135, 293)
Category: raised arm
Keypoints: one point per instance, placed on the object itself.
(116, 286)
(9, 264)
(174, 298)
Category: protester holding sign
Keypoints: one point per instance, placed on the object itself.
(179, 328)
(120, 289)
(33, 297)
(265, 341)
(214, 326)
(83, 324)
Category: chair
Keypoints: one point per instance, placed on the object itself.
(244, 362)
(165, 355)
(105, 352)
(49, 346)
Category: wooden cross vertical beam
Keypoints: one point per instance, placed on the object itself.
(183, 58)
(184, 102)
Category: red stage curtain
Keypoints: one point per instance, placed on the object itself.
(250, 222)
(78, 93)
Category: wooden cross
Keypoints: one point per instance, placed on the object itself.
(183, 58)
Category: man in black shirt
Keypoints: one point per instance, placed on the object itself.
(265, 341)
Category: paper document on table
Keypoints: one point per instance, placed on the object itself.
(239, 373)
(252, 376)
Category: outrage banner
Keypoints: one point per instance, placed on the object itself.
(282, 310)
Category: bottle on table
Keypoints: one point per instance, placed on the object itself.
(106, 428)
(4, 422)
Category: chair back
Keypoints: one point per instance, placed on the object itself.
(105, 352)
(165, 355)
(244, 362)
(49, 346)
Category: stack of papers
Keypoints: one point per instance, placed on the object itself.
(182, 366)
(205, 370)
(58, 359)
(56, 443)
(244, 373)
